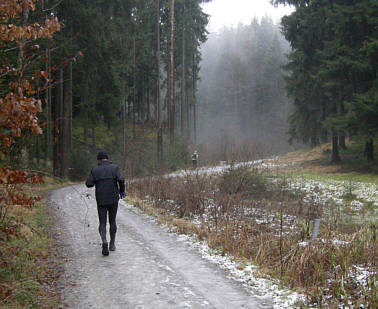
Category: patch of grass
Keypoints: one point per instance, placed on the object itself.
(353, 158)
(317, 160)
(355, 177)
(26, 271)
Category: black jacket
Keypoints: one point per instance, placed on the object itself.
(108, 181)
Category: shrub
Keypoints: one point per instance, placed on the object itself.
(243, 180)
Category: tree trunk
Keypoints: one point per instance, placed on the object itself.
(48, 108)
(369, 149)
(148, 118)
(335, 148)
(38, 137)
(188, 103)
(57, 125)
(85, 128)
(94, 143)
(155, 104)
(187, 115)
(172, 76)
(342, 141)
(183, 83)
(56, 135)
(194, 105)
(124, 134)
(158, 107)
(324, 138)
(134, 90)
(341, 111)
(61, 122)
(140, 105)
(66, 119)
(70, 93)
(195, 121)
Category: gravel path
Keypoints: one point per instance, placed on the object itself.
(151, 267)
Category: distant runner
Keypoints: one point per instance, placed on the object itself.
(110, 185)
(195, 159)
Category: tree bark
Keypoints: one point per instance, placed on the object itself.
(70, 93)
(134, 90)
(85, 128)
(342, 141)
(38, 137)
(66, 121)
(194, 105)
(94, 142)
(124, 134)
(61, 123)
(183, 83)
(187, 114)
(57, 125)
(148, 118)
(341, 111)
(48, 108)
(369, 150)
(335, 148)
(158, 107)
(172, 76)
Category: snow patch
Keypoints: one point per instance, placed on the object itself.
(246, 274)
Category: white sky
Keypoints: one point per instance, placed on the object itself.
(232, 12)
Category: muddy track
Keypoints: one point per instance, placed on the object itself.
(151, 267)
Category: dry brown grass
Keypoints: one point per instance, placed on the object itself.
(317, 160)
(267, 229)
(307, 155)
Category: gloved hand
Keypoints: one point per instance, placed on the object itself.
(123, 194)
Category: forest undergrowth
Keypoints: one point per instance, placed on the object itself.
(259, 216)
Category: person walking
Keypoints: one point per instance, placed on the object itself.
(110, 185)
(195, 159)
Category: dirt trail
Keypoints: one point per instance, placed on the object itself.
(151, 267)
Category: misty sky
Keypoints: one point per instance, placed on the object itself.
(232, 12)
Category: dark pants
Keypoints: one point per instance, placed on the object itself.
(103, 211)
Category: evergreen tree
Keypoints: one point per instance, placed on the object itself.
(332, 68)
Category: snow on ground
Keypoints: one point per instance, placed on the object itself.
(246, 274)
(260, 164)
(356, 194)
(342, 193)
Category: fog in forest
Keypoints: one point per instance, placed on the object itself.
(242, 102)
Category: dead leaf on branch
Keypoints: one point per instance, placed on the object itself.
(18, 106)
